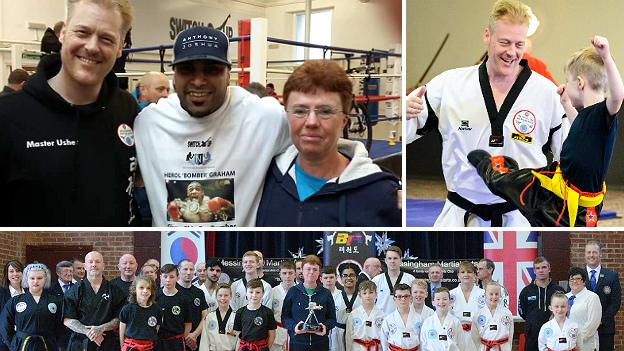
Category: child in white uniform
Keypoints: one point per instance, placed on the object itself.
(465, 307)
(559, 333)
(363, 331)
(492, 326)
(287, 276)
(442, 330)
(419, 295)
(398, 330)
(220, 336)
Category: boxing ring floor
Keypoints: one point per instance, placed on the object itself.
(430, 193)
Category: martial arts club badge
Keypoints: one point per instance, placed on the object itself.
(175, 310)
(607, 290)
(431, 334)
(357, 322)
(21, 307)
(378, 322)
(392, 328)
(548, 332)
(524, 122)
(591, 217)
(212, 325)
(572, 333)
(481, 320)
(52, 308)
(125, 134)
(151, 321)
(196, 302)
(258, 321)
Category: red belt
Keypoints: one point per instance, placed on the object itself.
(396, 348)
(490, 344)
(174, 337)
(139, 345)
(466, 326)
(369, 344)
(252, 345)
(549, 349)
(279, 324)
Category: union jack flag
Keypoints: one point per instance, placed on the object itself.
(513, 254)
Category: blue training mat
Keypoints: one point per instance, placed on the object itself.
(423, 213)
(380, 148)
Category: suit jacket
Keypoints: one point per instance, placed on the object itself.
(56, 289)
(610, 293)
(362, 277)
(428, 300)
(62, 340)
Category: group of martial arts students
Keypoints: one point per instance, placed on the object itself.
(385, 313)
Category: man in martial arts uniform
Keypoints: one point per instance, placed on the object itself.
(213, 273)
(91, 309)
(198, 306)
(500, 106)
(398, 330)
(385, 282)
(346, 301)
(251, 262)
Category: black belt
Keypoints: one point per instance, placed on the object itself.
(493, 213)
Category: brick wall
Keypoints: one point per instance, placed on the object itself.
(111, 244)
(612, 258)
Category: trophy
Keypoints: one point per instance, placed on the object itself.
(311, 323)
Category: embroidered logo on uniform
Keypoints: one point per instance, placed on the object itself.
(238, 295)
(450, 332)
(392, 328)
(52, 308)
(466, 314)
(21, 307)
(175, 310)
(524, 122)
(572, 333)
(152, 321)
(506, 321)
(532, 298)
(591, 217)
(275, 304)
(607, 290)
(105, 296)
(258, 321)
(432, 334)
(212, 305)
(481, 320)
(523, 138)
(481, 300)
(196, 302)
(357, 322)
(125, 134)
(418, 326)
(212, 325)
(548, 332)
(452, 298)
(465, 125)
(378, 322)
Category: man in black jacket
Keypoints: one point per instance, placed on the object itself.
(66, 140)
(605, 283)
(50, 41)
(534, 301)
(64, 272)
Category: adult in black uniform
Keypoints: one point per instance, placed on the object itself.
(33, 320)
(198, 306)
(11, 286)
(91, 309)
(534, 301)
(605, 283)
(127, 272)
(176, 311)
(65, 281)
(66, 139)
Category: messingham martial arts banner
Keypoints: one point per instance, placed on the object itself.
(176, 246)
(233, 269)
(420, 269)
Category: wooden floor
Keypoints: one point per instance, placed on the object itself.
(436, 189)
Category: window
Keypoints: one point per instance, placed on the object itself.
(320, 32)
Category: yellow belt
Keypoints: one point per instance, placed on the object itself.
(571, 195)
(28, 338)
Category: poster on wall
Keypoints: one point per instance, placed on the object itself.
(178, 245)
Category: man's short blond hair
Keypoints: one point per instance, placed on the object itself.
(122, 7)
(513, 11)
(588, 64)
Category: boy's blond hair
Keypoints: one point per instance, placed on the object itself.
(367, 285)
(420, 283)
(513, 11)
(588, 64)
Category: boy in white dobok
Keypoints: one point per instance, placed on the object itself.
(251, 262)
(492, 325)
(363, 331)
(442, 331)
(398, 330)
(419, 295)
(559, 333)
(218, 333)
(466, 299)
(287, 276)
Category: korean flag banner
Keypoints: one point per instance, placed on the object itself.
(176, 246)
